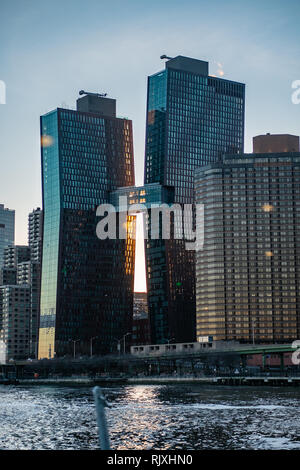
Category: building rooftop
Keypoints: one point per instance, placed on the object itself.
(188, 64)
(256, 159)
(270, 143)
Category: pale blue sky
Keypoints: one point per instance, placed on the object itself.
(49, 50)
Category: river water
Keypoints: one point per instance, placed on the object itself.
(151, 417)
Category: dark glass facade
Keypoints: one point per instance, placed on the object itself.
(248, 273)
(87, 283)
(192, 120)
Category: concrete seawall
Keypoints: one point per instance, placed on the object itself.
(171, 380)
(231, 381)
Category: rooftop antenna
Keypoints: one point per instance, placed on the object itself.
(99, 95)
(164, 56)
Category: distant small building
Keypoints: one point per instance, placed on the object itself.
(140, 304)
(140, 324)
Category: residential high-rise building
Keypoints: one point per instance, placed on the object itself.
(7, 230)
(192, 120)
(29, 273)
(248, 273)
(15, 254)
(32, 271)
(8, 276)
(22, 269)
(87, 283)
(15, 320)
(23, 272)
(35, 234)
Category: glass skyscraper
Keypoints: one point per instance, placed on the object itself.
(87, 283)
(192, 120)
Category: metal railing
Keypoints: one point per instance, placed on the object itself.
(101, 404)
